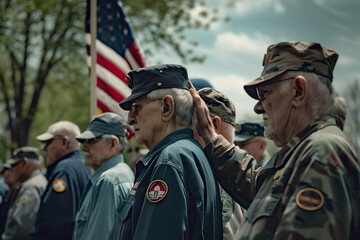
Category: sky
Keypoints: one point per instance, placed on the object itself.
(235, 49)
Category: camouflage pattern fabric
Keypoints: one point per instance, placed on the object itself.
(219, 105)
(310, 189)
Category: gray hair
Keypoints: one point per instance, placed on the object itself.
(320, 91)
(122, 141)
(183, 101)
(339, 110)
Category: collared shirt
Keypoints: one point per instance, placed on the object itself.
(22, 213)
(66, 181)
(175, 195)
(310, 188)
(105, 190)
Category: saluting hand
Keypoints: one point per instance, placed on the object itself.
(201, 118)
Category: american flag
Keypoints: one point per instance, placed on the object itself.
(117, 54)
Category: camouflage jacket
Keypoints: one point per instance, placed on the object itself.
(310, 189)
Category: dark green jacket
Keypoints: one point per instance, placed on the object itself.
(187, 205)
(310, 189)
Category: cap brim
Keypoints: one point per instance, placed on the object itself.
(250, 88)
(12, 161)
(241, 138)
(88, 135)
(126, 103)
(45, 136)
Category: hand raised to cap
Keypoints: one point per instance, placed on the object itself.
(201, 118)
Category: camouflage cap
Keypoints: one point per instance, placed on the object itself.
(32, 153)
(106, 123)
(244, 130)
(294, 56)
(219, 105)
(144, 80)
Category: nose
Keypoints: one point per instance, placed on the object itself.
(130, 120)
(258, 109)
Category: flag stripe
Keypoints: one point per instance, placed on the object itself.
(109, 90)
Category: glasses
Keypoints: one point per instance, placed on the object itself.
(135, 105)
(15, 164)
(48, 142)
(92, 140)
(261, 92)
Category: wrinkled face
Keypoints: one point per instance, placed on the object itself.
(251, 146)
(145, 117)
(96, 151)
(53, 149)
(276, 107)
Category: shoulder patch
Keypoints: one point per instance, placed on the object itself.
(310, 199)
(22, 199)
(156, 191)
(59, 185)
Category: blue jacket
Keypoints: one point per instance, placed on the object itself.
(175, 195)
(59, 203)
(105, 190)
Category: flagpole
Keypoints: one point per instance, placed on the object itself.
(93, 78)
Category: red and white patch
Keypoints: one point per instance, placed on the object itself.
(156, 191)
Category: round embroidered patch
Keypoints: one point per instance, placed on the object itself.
(59, 185)
(156, 191)
(23, 199)
(309, 199)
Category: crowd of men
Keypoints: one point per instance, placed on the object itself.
(204, 176)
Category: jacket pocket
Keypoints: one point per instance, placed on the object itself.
(262, 207)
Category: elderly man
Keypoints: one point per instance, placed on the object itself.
(249, 135)
(311, 187)
(175, 195)
(26, 164)
(103, 144)
(67, 176)
(223, 114)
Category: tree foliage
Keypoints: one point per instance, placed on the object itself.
(43, 56)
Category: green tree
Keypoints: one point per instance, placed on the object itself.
(42, 43)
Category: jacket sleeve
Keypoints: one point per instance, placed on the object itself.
(167, 218)
(233, 169)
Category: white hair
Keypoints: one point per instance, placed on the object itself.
(183, 102)
(122, 141)
(319, 89)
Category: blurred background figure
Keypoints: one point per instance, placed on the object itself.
(26, 166)
(223, 113)
(249, 135)
(3, 186)
(199, 83)
(67, 176)
(9, 196)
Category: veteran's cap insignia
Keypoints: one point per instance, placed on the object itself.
(309, 199)
(156, 191)
(59, 185)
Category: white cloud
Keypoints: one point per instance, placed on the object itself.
(242, 43)
(245, 7)
(347, 61)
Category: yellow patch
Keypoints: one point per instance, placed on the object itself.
(22, 199)
(309, 199)
(156, 191)
(59, 185)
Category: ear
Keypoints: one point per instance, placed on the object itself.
(65, 141)
(300, 91)
(168, 108)
(217, 124)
